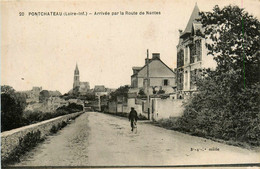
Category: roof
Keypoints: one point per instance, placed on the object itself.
(150, 61)
(193, 17)
(99, 88)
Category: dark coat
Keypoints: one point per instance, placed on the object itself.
(133, 115)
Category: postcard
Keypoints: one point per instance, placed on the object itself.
(129, 83)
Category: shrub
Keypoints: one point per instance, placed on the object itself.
(29, 141)
(71, 108)
(53, 129)
(224, 112)
(141, 117)
(59, 126)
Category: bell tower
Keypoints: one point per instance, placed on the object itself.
(76, 77)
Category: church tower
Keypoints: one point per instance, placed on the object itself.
(76, 77)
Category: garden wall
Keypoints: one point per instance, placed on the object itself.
(165, 108)
(10, 139)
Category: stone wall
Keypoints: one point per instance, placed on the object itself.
(10, 139)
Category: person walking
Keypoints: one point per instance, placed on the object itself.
(133, 117)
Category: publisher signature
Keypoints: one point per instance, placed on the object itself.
(205, 149)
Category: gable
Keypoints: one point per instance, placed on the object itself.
(156, 69)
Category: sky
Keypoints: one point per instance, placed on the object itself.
(43, 51)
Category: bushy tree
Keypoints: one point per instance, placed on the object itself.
(141, 92)
(234, 39)
(44, 95)
(227, 102)
(121, 91)
(12, 106)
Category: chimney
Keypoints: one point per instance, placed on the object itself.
(156, 56)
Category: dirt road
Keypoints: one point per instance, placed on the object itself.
(96, 139)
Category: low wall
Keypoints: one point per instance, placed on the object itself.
(10, 139)
(131, 102)
(112, 107)
(165, 108)
(122, 108)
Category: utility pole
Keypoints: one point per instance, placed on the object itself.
(99, 103)
(147, 82)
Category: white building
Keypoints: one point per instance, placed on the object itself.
(191, 55)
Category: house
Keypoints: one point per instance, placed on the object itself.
(33, 95)
(191, 56)
(161, 77)
(99, 88)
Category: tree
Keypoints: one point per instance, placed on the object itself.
(154, 91)
(234, 39)
(141, 92)
(161, 91)
(12, 106)
(227, 102)
(121, 91)
(44, 95)
(7, 89)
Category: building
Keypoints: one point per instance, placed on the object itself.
(161, 77)
(81, 87)
(99, 88)
(55, 93)
(191, 56)
(32, 96)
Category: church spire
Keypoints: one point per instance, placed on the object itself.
(76, 69)
(76, 77)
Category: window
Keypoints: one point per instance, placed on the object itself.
(192, 53)
(180, 57)
(198, 49)
(165, 82)
(186, 54)
(192, 79)
(186, 78)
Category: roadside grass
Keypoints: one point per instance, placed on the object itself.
(173, 123)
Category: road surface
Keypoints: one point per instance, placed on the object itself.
(96, 139)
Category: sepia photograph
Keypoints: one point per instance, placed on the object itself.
(130, 83)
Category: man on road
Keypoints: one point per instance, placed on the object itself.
(132, 117)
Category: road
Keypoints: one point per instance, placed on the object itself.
(96, 139)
